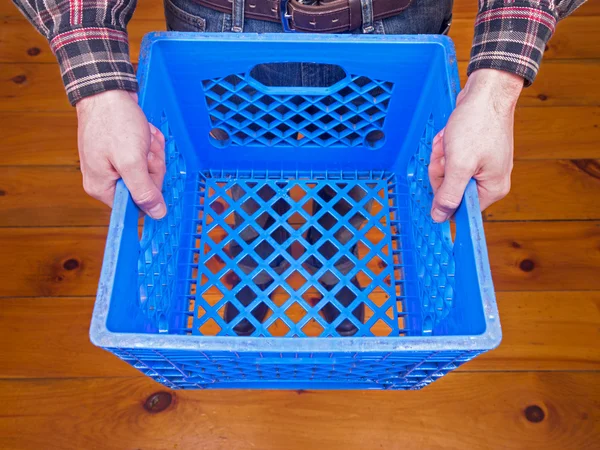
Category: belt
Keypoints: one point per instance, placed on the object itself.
(329, 16)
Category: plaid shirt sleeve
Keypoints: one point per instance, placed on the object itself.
(511, 35)
(89, 39)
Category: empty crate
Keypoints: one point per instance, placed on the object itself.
(298, 250)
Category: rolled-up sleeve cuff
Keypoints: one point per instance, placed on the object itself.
(93, 60)
(512, 36)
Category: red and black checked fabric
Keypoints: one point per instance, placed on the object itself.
(511, 35)
(89, 38)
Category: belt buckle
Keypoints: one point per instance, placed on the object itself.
(285, 16)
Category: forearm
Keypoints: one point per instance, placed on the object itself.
(89, 40)
(511, 35)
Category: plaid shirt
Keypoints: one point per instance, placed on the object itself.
(89, 38)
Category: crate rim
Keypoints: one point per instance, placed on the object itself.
(153, 37)
(101, 336)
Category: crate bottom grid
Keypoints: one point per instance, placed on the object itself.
(296, 242)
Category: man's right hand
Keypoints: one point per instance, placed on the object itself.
(116, 141)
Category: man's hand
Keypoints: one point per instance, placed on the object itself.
(116, 141)
(477, 142)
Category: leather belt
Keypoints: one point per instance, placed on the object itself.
(329, 16)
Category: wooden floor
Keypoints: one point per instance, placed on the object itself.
(539, 390)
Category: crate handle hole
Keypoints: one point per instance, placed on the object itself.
(218, 137)
(374, 139)
(277, 74)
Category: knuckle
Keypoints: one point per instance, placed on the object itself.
(146, 198)
(504, 189)
(500, 189)
(448, 202)
(464, 166)
(128, 162)
(91, 189)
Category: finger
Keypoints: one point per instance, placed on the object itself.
(156, 158)
(143, 190)
(437, 161)
(449, 195)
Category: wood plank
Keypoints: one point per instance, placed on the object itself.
(557, 132)
(537, 335)
(43, 138)
(53, 196)
(540, 256)
(545, 331)
(32, 261)
(47, 196)
(503, 410)
(551, 190)
(536, 256)
(559, 82)
(153, 10)
(37, 87)
(574, 39)
(49, 338)
(32, 87)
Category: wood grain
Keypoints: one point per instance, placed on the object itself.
(539, 186)
(557, 132)
(47, 196)
(503, 410)
(45, 138)
(543, 256)
(535, 256)
(537, 390)
(49, 338)
(545, 331)
(32, 87)
(50, 139)
(37, 87)
(537, 335)
(574, 39)
(32, 261)
(53, 196)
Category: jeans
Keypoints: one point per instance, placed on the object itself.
(421, 17)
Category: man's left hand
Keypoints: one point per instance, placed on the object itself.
(477, 142)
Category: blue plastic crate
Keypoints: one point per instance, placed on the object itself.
(295, 194)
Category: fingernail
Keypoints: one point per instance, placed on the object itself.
(438, 215)
(158, 211)
(153, 130)
(442, 161)
(151, 156)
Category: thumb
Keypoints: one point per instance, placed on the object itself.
(450, 193)
(437, 161)
(143, 190)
